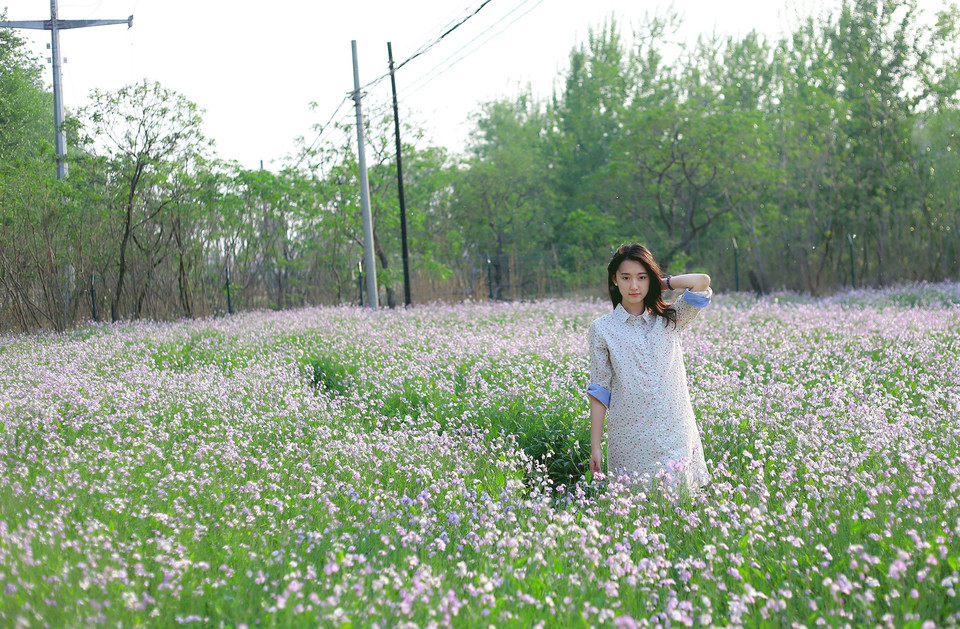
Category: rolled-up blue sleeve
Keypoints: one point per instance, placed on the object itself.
(601, 373)
(698, 299)
(600, 393)
(689, 305)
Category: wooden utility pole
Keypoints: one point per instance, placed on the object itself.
(55, 25)
(403, 205)
(369, 263)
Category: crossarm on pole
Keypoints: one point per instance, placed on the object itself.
(44, 25)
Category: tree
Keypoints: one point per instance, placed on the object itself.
(588, 114)
(503, 191)
(427, 173)
(937, 137)
(34, 275)
(26, 109)
(152, 142)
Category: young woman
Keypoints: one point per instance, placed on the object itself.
(637, 376)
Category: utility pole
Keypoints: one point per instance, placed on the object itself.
(403, 205)
(55, 25)
(368, 261)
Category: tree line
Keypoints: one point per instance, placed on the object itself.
(825, 157)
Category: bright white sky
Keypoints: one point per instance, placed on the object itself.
(255, 67)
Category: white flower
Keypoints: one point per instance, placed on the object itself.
(129, 600)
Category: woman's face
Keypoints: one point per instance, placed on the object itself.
(633, 280)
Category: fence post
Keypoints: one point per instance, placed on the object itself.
(736, 265)
(490, 277)
(93, 298)
(229, 301)
(360, 281)
(853, 277)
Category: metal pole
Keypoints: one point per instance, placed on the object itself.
(368, 261)
(403, 206)
(853, 278)
(93, 298)
(229, 302)
(55, 25)
(61, 141)
(736, 264)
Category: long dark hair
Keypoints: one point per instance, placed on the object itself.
(653, 301)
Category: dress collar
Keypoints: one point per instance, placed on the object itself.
(623, 316)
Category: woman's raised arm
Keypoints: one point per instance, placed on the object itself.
(693, 281)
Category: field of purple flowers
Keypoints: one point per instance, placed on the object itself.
(338, 467)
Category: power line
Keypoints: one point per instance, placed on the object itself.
(323, 128)
(429, 46)
(441, 30)
(413, 85)
(447, 29)
(439, 39)
(444, 30)
(413, 88)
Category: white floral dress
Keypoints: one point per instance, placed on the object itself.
(637, 371)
